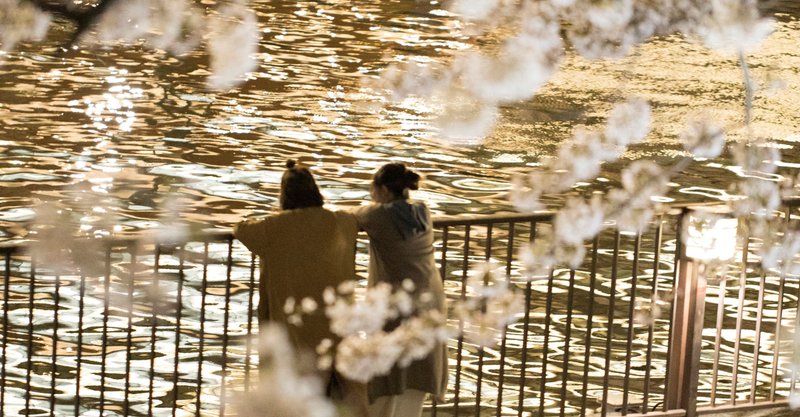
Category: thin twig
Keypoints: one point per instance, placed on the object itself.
(748, 93)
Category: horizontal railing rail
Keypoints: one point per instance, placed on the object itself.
(165, 328)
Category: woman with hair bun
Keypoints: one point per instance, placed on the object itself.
(304, 248)
(401, 247)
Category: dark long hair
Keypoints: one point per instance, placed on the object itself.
(298, 188)
(397, 178)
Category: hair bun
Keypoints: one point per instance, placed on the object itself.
(411, 179)
(290, 163)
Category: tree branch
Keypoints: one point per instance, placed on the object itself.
(84, 18)
(748, 94)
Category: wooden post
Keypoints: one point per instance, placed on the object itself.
(687, 329)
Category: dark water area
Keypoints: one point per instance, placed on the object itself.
(124, 138)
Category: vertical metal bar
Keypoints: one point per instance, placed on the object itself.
(154, 322)
(104, 349)
(459, 354)
(6, 301)
(676, 260)
(79, 348)
(481, 352)
(631, 324)
(525, 329)
(718, 341)
(443, 266)
(651, 326)
(739, 317)
(793, 381)
(29, 367)
(201, 346)
(488, 254)
(54, 359)
(129, 344)
(225, 335)
(610, 326)
(589, 316)
(249, 342)
(757, 342)
(779, 317)
(524, 361)
(546, 346)
(443, 274)
(778, 327)
(567, 337)
(178, 314)
(502, 371)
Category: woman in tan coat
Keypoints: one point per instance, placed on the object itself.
(401, 247)
(303, 249)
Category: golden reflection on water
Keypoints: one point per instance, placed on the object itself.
(107, 111)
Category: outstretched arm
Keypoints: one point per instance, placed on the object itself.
(253, 234)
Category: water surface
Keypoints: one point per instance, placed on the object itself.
(127, 128)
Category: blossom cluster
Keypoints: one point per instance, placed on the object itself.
(171, 25)
(646, 313)
(757, 162)
(386, 327)
(703, 139)
(21, 21)
(580, 158)
(782, 255)
(492, 306)
(628, 207)
(380, 328)
(176, 26)
(474, 84)
(68, 234)
(286, 388)
(351, 315)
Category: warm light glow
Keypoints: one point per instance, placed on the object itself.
(709, 238)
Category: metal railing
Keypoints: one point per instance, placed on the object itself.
(164, 329)
(577, 348)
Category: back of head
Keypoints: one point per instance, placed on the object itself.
(397, 178)
(298, 188)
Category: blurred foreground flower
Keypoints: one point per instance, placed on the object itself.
(284, 388)
(783, 254)
(628, 123)
(493, 306)
(171, 25)
(734, 25)
(703, 139)
(68, 236)
(21, 21)
(646, 314)
(232, 45)
(384, 328)
(580, 158)
(175, 26)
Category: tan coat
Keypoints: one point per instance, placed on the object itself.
(302, 252)
(394, 257)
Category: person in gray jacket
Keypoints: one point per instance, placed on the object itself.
(401, 247)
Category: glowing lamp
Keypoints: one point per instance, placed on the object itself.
(710, 238)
